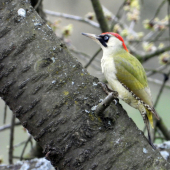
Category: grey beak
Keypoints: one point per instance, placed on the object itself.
(92, 36)
(97, 39)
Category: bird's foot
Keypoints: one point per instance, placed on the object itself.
(153, 146)
(107, 89)
(116, 101)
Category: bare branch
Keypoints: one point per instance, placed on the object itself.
(163, 129)
(158, 70)
(150, 40)
(25, 146)
(20, 144)
(73, 17)
(118, 16)
(18, 157)
(79, 52)
(94, 56)
(37, 5)
(85, 57)
(11, 140)
(166, 77)
(168, 17)
(5, 127)
(159, 8)
(100, 16)
(156, 81)
(5, 113)
(145, 57)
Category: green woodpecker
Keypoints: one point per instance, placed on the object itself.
(126, 75)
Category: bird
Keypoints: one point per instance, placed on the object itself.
(126, 75)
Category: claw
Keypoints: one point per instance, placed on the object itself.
(115, 101)
(104, 86)
(107, 89)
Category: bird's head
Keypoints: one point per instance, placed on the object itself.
(109, 41)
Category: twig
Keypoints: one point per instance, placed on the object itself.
(31, 143)
(26, 143)
(161, 125)
(100, 16)
(158, 10)
(145, 39)
(163, 129)
(84, 56)
(73, 17)
(150, 40)
(19, 144)
(120, 8)
(5, 127)
(158, 70)
(37, 5)
(79, 53)
(145, 57)
(169, 18)
(5, 113)
(17, 157)
(159, 134)
(151, 72)
(11, 140)
(117, 16)
(161, 138)
(157, 37)
(166, 77)
(94, 56)
(156, 81)
(149, 35)
(124, 26)
(132, 24)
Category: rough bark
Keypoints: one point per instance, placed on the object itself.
(53, 95)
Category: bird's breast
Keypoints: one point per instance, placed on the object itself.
(108, 68)
(109, 71)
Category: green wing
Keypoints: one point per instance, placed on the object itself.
(131, 73)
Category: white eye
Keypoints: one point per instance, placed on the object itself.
(106, 38)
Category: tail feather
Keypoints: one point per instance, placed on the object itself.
(149, 115)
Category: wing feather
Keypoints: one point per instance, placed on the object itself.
(131, 73)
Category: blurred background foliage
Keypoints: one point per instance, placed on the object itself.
(144, 25)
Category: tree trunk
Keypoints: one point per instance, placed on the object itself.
(52, 95)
